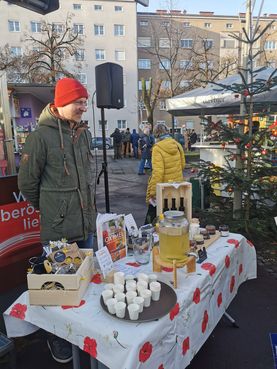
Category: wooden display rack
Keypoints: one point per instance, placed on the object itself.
(158, 264)
(175, 190)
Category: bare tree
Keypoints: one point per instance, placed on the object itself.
(150, 98)
(47, 59)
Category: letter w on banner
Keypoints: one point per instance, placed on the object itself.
(19, 225)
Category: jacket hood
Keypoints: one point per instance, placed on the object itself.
(169, 145)
(48, 118)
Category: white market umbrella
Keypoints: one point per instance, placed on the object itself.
(214, 100)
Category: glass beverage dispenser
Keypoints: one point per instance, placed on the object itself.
(174, 237)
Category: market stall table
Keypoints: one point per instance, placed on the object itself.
(170, 342)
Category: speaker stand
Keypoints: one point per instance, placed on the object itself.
(104, 169)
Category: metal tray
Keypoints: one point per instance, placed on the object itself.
(156, 310)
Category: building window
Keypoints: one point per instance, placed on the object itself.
(186, 24)
(185, 64)
(80, 55)
(120, 55)
(100, 54)
(144, 64)
(14, 26)
(144, 41)
(229, 25)
(35, 27)
(208, 44)
(121, 124)
(78, 29)
(207, 25)
(77, 6)
(229, 44)
(186, 43)
(98, 30)
(270, 45)
(162, 105)
(164, 64)
(58, 27)
(118, 8)
(206, 65)
(82, 77)
(143, 23)
(147, 84)
(98, 7)
(119, 30)
(164, 43)
(165, 84)
(184, 83)
(16, 51)
(165, 24)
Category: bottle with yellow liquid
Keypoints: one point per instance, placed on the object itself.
(173, 236)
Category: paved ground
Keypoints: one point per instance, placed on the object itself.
(254, 308)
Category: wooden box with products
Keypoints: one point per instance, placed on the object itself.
(68, 289)
(174, 196)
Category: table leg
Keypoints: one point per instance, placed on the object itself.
(76, 357)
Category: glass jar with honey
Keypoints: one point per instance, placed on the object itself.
(174, 236)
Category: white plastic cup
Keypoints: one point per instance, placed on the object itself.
(155, 288)
(120, 296)
(118, 288)
(131, 285)
(129, 277)
(108, 286)
(120, 308)
(139, 300)
(152, 278)
(111, 305)
(119, 278)
(146, 294)
(130, 295)
(142, 284)
(133, 310)
(142, 277)
(107, 294)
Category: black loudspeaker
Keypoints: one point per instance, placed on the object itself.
(109, 86)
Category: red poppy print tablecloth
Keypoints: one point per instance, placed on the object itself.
(169, 343)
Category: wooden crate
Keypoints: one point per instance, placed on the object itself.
(174, 190)
(74, 285)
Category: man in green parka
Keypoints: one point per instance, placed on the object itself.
(56, 176)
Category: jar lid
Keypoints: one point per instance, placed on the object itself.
(174, 214)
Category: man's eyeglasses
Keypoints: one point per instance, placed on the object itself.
(80, 103)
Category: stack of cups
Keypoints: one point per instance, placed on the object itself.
(133, 310)
(106, 295)
(119, 278)
(146, 294)
(120, 308)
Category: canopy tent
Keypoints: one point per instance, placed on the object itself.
(214, 100)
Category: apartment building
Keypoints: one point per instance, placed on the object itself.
(184, 50)
(108, 33)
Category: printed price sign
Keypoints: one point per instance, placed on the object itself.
(105, 260)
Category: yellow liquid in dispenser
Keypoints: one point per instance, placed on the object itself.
(174, 244)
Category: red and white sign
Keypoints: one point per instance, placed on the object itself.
(19, 225)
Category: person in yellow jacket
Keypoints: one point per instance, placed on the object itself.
(168, 163)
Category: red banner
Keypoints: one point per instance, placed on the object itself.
(19, 225)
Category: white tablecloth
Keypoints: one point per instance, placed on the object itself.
(169, 343)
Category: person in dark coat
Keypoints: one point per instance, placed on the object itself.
(145, 142)
(56, 177)
(134, 142)
(117, 140)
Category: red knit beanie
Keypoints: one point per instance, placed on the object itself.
(68, 90)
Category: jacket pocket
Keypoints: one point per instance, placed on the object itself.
(61, 214)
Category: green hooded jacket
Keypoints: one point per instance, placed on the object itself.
(56, 177)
